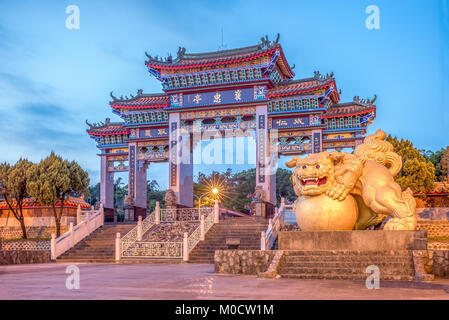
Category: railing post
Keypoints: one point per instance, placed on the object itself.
(139, 228)
(157, 212)
(53, 247)
(185, 247)
(262, 240)
(282, 201)
(117, 247)
(71, 235)
(202, 228)
(216, 211)
(270, 223)
(78, 214)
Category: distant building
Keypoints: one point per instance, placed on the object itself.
(38, 215)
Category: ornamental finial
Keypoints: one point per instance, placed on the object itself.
(181, 52)
(112, 96)
(90, 126)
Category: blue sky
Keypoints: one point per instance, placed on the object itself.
(52, 78)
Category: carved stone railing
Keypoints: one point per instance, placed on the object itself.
(183, 214)
(171, 250)
(269, 237)
(135, 234)
(90, 221)
(206, 222)
(26, 245)
(131, 245)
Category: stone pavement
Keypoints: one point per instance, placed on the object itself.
(190, 281)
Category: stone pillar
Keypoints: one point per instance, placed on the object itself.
(137, 183)
(180, 162)
(117, 246)
(265, 170)
(140, 201)
(107, 190)
(317, 141)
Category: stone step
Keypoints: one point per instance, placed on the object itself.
(99, 245)
(76, 260)
(360, 269)
(348, 277)
(337, 262)
(393, 253)
(367, 259)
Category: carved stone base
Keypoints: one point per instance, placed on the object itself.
(259, 208)
(139, 212)
(109, 215)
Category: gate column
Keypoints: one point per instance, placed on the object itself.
(137, 183)
(107, 190)
(180, 162)
(265, 167)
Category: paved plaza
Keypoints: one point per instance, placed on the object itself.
(190, 281)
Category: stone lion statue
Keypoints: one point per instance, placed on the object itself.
(170, 198)
(128, 201)
(259, 193)
(343, 191)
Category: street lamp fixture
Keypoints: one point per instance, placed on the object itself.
(214, 191)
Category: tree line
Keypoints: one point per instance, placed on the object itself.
(50, 182)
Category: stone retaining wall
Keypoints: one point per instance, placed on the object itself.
(251, 262)
(24, 257)
(437, 262)
(32, 232)
(435, 228)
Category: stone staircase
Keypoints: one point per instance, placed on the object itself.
(247, 230)
(347, 265)
(98, 246)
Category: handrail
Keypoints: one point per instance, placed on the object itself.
(207, 221)
(93, 219)
(202, 229)
(131, 237)
(269, 237)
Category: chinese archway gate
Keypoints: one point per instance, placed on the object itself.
(250, 90)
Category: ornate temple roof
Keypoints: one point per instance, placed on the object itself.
(292, 87)
(185, 60)
(141, 101)
(106, 128)
(356, 107)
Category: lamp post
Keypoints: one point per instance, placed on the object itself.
(214, 191)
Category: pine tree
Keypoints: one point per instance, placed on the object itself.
(13, 184)
(417, 173)
(53, 180)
